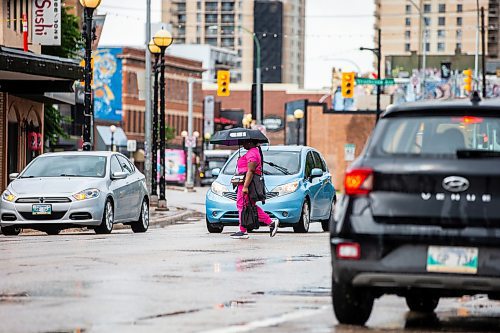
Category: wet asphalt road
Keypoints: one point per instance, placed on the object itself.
(182, 279)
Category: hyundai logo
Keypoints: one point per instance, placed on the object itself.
(455, 184)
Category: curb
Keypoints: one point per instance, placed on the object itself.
(168, 220)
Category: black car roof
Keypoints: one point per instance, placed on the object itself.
(456, 106)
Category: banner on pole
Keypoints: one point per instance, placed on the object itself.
(46, 22)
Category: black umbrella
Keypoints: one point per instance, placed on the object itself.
(236, 136)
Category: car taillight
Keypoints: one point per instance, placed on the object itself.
(350, 251)
(358, 181)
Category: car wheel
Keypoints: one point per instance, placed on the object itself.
(325, 224)
(305, 219)
(214, 228)
(142, 224)
(52, 231)
(422, 303)
(108, 216)
(351, 305)
(11, 231)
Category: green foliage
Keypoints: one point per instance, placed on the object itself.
(52, 124)
(169, 133)
(71, 37)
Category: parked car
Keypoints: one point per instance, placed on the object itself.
(63, 190)
(299, 185)
(420, 216)
(213, 159)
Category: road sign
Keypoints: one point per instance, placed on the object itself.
(190, 142)
(377, 82)
(131, 145)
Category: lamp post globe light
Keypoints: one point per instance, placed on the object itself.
(112, 129)
(155, 50)
(298, 115)
(88, 33)
(162, 39)
(207, 136)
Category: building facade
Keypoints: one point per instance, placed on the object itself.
(231, 24)
(443, 27)
(28, 80)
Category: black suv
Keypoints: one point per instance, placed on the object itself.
(420, 217)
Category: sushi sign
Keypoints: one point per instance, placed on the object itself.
(46, 22)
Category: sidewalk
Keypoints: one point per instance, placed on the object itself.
(174, 214)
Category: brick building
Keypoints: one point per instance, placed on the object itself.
(275, 99)
(177, 72)
(28, 79)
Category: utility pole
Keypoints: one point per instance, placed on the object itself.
(483, 42)
(189, 180)
(476, 55)
(379, 60)
(147, 116)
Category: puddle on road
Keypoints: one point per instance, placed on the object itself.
(309, 292)
(169, 314)
(234, 304)
(14, 298)
(242, 265)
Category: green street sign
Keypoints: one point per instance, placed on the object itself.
(377, 82)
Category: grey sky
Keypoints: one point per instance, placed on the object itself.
(334, 33)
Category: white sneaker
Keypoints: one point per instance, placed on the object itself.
(273, 227)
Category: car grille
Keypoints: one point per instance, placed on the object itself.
(44, 200)
(232, 195)
(53, 216)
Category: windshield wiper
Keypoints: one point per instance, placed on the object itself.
(475, 153)
(280, 168)
(68, 175)
(27, 177)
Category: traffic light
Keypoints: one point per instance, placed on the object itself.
(348, 84)
(467, 79)
(223, 78)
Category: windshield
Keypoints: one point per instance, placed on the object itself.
(68, 165)
(287, 161)
(212, 164)
(440, 135)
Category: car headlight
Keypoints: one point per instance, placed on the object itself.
(8, 196)
(218, 188)
(287, 188)
(91, 193)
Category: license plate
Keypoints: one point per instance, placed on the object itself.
(41, 209)
(450, 259)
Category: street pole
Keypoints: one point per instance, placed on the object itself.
(483, 42)
(154, 158)
(88, 112)
(162, 203)
(476, 55)
(189, 174)
(379, 60)
(112, 141)
(258, 79)
(147, 116)
(298, 132)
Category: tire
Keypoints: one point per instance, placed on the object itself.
(142, 224)
(11, 231)
(108, 216)
(422, 303)
(325, 224)
(305, 219)
(214, 228)
(351, 306)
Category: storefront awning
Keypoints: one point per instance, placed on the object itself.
(119, 137)
(28, 73)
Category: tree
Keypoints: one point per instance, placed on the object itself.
(71, 45)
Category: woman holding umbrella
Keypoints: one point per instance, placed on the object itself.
(250, 164)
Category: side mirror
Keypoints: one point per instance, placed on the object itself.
(119, 175)
(316, 172)
(216, 172)
(13, 176)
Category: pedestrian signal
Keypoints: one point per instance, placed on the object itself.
(223, 78)
(467, 79)
(348, 84)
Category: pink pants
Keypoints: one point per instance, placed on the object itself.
(240, 203)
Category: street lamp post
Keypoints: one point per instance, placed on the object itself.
(424, 41)
(258, 95)
(162, 39)
(207, 136)
(154, 145)
(112, 129)
(378, 52)
(89, 6)
(184, 135)
(298, 115)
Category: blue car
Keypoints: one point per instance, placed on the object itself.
(299, 190)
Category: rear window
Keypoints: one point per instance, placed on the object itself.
(439, 135)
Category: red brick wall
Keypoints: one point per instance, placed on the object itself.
(274, 104)
(330, 132)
